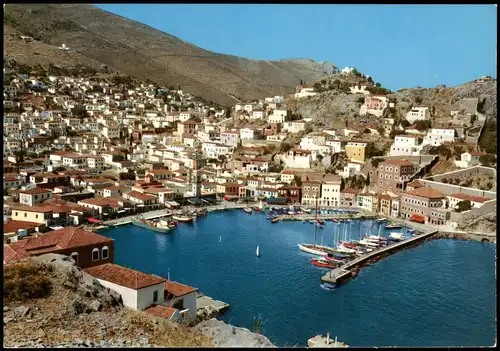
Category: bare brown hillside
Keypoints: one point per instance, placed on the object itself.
(99, 37)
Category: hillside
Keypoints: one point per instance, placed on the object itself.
(98, 37)
(333, 106)
(50, 302)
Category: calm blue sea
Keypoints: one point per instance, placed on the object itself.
(441, 293)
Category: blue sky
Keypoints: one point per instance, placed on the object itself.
(400, 46)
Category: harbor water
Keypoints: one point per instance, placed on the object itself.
(441, 293)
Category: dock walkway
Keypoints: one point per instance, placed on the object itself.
(338, 275)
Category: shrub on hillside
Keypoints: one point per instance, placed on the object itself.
(26, 280)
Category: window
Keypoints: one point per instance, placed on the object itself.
(155, 296)
(105, 253)
(95, 254)
(25, 215)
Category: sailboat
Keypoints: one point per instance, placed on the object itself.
(257, 252)
(314, 249)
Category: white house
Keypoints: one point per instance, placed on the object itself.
(469, 159)
(351, 169)
(34, 196)
(418, 113)
(295, 126)
(250, 133)
(437, 136)
(298, 158)
(406, 145)
(475, 201)
(181, 297)
(359, 89)
(303, 91)
(138, 290)
(279, 116)
(276, 99)
(330, 191)
(258, 114)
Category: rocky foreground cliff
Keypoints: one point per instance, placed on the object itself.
(50, 302)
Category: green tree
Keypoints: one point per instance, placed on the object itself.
(376, 161)
(404, 123)
(462, 206)
(297, 180)
(422, 124)
(418, 100)
(488, 160)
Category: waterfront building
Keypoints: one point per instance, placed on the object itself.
(137, 289)
(330, 190)
(393, 175)
(87, 249)
(291, 193)
(181, 297)
(348, 197)
(424, 205)
(311, 191)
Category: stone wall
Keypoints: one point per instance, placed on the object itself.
(466, 172)
(449, 189)
(461, 217)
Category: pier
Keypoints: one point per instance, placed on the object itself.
(325, 341)
(330, 216)
(207, 308)
(343, 273)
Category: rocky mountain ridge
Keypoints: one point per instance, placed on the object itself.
(97, 38)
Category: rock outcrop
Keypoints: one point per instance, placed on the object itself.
(224, 335)
(72, 309)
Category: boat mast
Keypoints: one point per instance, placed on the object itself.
(316, 217)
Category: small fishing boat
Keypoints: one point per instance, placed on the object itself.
(247, 210)
(320, 226)
(257, 252)
(348, 245)
(411, 231)
(307, 210)
(360, 252)
(320, 221)
(396, 237)
(257, 209)
(318, 250)
(365, 242)
(331, 257)
(328, 286)
(393, 226)
(342, 249)
(183, 219)
(291, 213)
(321, 262)
(382, 219)
(376, 238)
(275, 220)
(157, 227)
(335, 220)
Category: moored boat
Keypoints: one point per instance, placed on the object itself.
(247, 210)
(393, 226)
(328, 286)
(307, 210)
(258, 209)
(331, 257)
(320, 221)
(157, 227)
(183, 219)
(396, 237)
(382, 219)
(275, 220)
(348, 245)
(320, 262)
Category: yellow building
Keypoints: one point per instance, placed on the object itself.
(355, 153)
(34, 214)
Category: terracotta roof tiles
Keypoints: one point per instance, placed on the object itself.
(126, 277)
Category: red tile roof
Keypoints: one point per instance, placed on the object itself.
(61, 239)
(161, 311)
(398, 162)
(427, 193)
(178, 289)
(126, 277)
(139, 196)
(462, 196)
(13, 226)
(34, 191)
